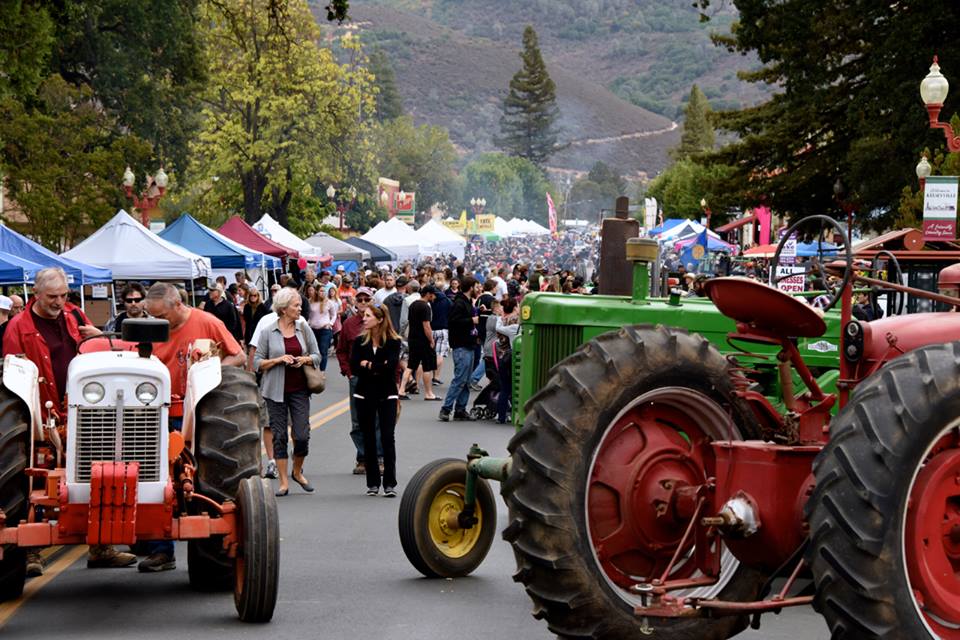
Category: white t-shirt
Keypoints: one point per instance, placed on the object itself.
(382, 294)
(264, 322)
(501, 291)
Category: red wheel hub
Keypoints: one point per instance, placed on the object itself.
(932, 541)
(651, 450)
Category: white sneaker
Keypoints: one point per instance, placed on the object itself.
(372, 491)
(271, 470)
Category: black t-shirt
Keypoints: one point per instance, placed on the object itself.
(61, 344)
(419, 311)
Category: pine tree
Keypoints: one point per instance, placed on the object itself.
(389, 102)
(698, 134)
(530, 109)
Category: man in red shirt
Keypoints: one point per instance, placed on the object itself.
(187, 325)
(47, 333)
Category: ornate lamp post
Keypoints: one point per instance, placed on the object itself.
(933, 91)
(706, 210)
(149, 198)
(477, 204)
(342, 206)
(923, 171)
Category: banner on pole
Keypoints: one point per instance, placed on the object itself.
(649, 213)
(940, 208)
(485, 223)
(552, 210)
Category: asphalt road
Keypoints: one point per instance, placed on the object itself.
(343, 573)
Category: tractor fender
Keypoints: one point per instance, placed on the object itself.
(202, 378)
(21, 377)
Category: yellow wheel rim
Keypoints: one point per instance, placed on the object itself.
(452, 542)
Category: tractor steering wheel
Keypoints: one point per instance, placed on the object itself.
(893, 275)
(835, 292)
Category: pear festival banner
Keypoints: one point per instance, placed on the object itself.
(940, 208)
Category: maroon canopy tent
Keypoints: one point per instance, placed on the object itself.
(239, 231)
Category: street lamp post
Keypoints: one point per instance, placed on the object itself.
(342, 206)
(149, 198)
(923, 171)
(933, 91)
(706, 210)
(477, 204)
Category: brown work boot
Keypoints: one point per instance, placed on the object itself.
(35, 564)
(104, 556)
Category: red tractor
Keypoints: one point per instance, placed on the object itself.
(113, 473)
(656, 490)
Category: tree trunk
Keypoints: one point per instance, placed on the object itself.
(254, 184)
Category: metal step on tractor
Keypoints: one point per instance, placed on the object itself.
(114, 474)
(662, 485)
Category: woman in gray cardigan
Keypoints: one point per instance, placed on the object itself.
(282, 350)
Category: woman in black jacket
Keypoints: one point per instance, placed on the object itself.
(374, 359)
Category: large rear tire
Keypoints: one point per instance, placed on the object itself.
(14, 487)
(639, 394)
(435, 547)
(258, 559)
(885, 514)
(228, 451)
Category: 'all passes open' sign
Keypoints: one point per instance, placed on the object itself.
(940, 208)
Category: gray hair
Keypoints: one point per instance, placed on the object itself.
(46, 278)
(284, 298)
(166, 292)
(413, 286)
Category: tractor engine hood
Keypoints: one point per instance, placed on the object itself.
(907, 333)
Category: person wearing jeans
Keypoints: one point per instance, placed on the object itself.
(352, 328)
(462, 330)
(283, 348)
(323, 315)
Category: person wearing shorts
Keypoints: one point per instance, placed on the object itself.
(421, 343)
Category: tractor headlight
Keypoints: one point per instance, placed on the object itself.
(93, 392)
(146, 392)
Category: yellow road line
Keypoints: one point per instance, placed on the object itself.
(339, 412)
(35, 584)
(333, 407)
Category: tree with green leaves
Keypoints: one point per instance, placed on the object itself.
(389, 102)
(528, 123)
(513, 187)
(680, 188)
(698, 134)
(846, 102)
(60, 159)
(421, 158)
(278, 110)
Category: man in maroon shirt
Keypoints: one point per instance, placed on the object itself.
(353, 327)
(47, 333)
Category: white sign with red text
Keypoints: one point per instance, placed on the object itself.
(940, 208)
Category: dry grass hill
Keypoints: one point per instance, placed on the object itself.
(454, 59)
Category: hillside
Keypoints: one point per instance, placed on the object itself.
(453, 73)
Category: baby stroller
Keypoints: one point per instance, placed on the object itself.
(497, 371)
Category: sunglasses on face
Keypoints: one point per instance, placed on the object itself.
(132, 300)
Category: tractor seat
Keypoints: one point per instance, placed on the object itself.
(764, 308)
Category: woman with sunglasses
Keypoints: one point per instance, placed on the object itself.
(374, 360)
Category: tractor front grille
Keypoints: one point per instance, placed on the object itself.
(99, 440)
(554, 343)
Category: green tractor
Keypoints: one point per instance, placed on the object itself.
(448, 512)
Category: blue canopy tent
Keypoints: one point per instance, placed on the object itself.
(810, 249)
(17, 270)
(694, 250)
(223, 252)
(666, 225)
(78, 273)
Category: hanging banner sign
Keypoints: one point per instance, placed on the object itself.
(485, 223)
(940, 208)
(454, 225)
(788, 255)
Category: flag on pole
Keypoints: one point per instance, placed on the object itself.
(552, 210)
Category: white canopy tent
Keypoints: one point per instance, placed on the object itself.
(272, 229)
(132, 252)
(396, 236)
(502, 227)
(434, 239)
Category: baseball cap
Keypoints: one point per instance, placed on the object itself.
(340, 267)
(402, 281)
(6, 304)
(365, 291)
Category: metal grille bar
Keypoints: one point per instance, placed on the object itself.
(555, 342)
(139, 440)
